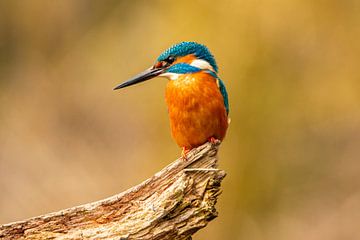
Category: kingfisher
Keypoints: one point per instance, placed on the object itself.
(196, 97)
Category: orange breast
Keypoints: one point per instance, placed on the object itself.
(196, 109)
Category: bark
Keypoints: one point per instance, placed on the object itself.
(173, 204)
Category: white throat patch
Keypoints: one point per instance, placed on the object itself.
(170, 75)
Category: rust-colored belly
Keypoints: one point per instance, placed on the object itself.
(196, 110)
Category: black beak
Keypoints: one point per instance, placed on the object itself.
(141, 77)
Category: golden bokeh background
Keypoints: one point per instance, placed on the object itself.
(292, 72)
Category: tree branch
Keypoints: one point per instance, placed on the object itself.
(173, 204)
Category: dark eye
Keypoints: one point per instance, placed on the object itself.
(170, 59)
(166, 62)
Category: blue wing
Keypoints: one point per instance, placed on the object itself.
(222, 89)
(224, 94)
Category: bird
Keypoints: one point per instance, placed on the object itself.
(196, 97)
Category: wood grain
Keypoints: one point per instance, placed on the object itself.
(173, 204)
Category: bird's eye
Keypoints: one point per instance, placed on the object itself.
(170, 59)
(165, 63)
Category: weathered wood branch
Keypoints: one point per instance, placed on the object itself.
(173, 204)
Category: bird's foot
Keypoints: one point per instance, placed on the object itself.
(184, 152)
(214, 141)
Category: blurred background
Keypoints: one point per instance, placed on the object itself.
(292, 72)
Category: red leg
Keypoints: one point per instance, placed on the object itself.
(184, 152)
(214, 140)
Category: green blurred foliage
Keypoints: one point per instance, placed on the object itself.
(292, 72)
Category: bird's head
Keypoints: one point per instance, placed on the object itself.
(181, 58)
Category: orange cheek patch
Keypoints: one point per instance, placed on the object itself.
(185, 59)
(158, 65)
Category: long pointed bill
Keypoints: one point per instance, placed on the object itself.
(141, 77)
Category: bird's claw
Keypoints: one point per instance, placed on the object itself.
(184, 152)
(214, 141)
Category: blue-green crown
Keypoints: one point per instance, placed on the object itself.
(186, 48)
